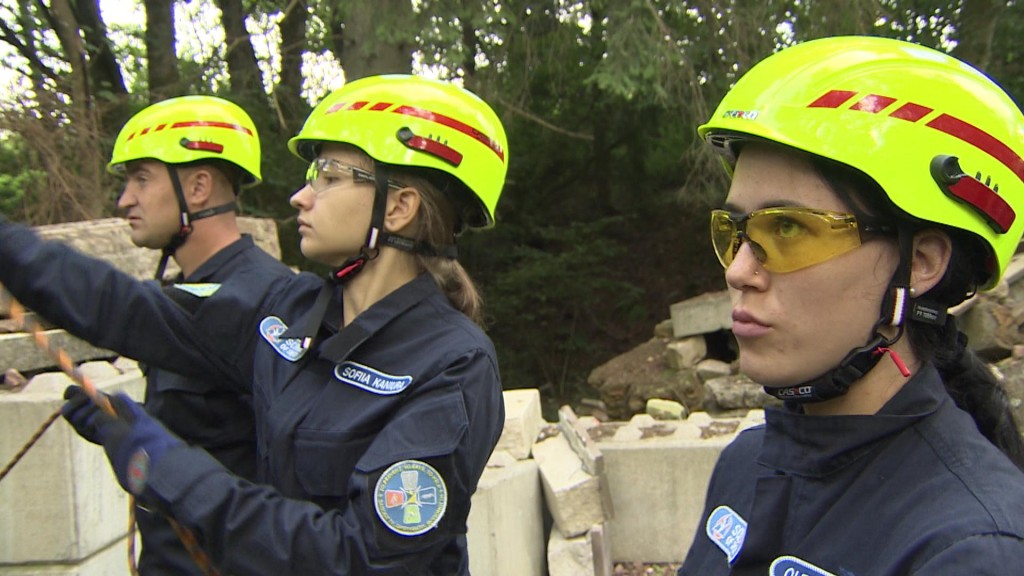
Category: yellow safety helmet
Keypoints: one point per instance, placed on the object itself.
(417, 122)
(942, 140)
(187, 129)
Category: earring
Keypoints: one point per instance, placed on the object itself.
(912, 291)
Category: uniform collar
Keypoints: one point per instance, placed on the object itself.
(337, 347)
(804, 445)
(207, 269)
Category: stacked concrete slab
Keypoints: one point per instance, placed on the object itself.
(506, 521)
(61, 510)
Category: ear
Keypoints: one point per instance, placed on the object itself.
(198, 187)
(402, 208)
(931, 254)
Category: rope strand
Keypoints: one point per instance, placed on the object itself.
(65, 363)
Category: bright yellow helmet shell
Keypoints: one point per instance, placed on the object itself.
(417, 122)
(898, 112)
(187, 129)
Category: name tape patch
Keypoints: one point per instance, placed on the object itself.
(200, 290)
(793, 566)
(410, 497)
(271, 329)
(369, 379)
(727, 529)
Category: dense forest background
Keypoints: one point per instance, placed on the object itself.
(602, 224)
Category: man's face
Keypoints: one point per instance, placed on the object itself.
(149, 204)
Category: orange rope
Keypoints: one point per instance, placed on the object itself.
(66, 365)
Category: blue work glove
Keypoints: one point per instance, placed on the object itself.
(80, 411)
(133, 440)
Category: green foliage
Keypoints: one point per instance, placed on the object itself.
(18, 180)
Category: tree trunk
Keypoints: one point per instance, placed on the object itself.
(65, 26)
(164, 79)
(109, 91)
(291, 109)
(75, 180)
(376, 40)
(246, 79)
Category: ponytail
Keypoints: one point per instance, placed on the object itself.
(968, 379)
(437, 226)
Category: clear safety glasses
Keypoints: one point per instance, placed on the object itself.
(786, 239)
(324, 173)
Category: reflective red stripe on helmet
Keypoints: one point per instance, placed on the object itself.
(944, 123)
(425, 115)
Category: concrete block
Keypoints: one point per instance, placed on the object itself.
(659, 484)
(110, 561)
(506, 522)
(19, 351)
(570, 556)
(708, 312)
(523, 422)
(710, 368)
(61, 503)
(99, 370)
(686, 352)
(572, 495)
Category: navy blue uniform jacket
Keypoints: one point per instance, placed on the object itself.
(914, 489)
(202, 411)
(371, 442)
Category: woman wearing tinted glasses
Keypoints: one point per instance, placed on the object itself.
(875, 184)
(376, 394)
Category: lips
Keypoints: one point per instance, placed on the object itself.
(746, 325)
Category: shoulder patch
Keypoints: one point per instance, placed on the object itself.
(410, 497)
(727, 529)
(271, 329)
(370, 379)
(199, 290)
(791, 565)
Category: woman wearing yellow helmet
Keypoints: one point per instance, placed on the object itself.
(377, 397)
(875, 184)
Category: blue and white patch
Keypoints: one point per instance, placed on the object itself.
(793, 566)
(410, 497)
(271, 329)
(727, 529)
(370, 379)
(199, 290)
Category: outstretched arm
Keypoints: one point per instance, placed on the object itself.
(98, 303)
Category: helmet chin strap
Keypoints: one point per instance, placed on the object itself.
(375, 236)
(187, 218)
(859, 361)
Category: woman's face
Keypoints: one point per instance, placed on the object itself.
(334, 212)
(792, 327)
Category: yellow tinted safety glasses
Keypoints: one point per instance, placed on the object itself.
(786, 239)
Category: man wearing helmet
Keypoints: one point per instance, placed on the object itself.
(183, 161)
(376, 393)
(875, 184)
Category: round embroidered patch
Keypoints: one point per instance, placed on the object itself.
(410, 497)
(138, 471)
